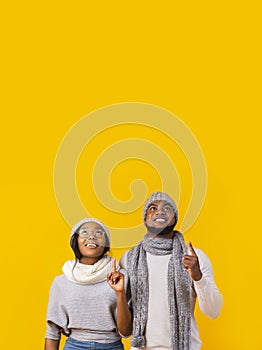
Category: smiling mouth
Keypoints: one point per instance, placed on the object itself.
(160, 220)
(91, 245)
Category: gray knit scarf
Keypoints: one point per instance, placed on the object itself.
(178, 289)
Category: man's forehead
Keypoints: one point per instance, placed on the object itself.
(160, 202)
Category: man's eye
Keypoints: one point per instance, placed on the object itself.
(152, 208)
(169, 209)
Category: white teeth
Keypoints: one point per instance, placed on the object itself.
(91, 245)
(161, 220)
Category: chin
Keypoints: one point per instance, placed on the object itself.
(160, 231)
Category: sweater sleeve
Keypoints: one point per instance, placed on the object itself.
(209, 297)
(57, 319)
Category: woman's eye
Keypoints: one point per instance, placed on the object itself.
(84, 232)
(99, 233)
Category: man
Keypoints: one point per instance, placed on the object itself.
(165, 278)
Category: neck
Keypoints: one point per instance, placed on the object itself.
(165, 236)
(166, 232)
(89, 261)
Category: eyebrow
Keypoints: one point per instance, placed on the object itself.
(157, 204)
(95, 228)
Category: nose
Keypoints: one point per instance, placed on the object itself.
(91, 236)
(160, 211)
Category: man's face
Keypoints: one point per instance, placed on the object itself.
(159, 215)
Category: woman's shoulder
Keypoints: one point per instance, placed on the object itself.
(59, 280)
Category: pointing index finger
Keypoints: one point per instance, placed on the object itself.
(113, 265)
(191, 250)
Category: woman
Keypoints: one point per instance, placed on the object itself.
(87, 303)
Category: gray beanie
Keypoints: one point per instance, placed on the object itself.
(160, 196)
(83, 221)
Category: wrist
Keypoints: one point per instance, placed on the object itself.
(120, 296)
(120, 292)
(198, 277)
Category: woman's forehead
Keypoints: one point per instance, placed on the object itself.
(90, 224)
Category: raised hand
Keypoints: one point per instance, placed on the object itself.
(124, 318)
(191, 263)
(115, 278)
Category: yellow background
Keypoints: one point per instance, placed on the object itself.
(62, 60)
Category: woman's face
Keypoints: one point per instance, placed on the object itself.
(91, 242)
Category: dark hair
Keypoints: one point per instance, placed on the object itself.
(74, 246)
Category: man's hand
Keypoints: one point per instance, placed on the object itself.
(116, 279)
(191, 263)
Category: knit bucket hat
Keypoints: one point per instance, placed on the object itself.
(160, 196)
(77, 226)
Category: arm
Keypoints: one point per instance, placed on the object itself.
(209, 297)
(124, 318)
(51, 344)
(55, 318)
(199, 267)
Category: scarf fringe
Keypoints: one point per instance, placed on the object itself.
(138, 342)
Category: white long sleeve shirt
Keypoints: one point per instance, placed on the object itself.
(210, 301)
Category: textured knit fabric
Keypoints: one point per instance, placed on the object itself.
(157, 331)
(86, 312)
(178, 289)
(86, 274)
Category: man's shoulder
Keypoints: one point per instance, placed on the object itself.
(199, 251)
(203, 258)
(123, 259)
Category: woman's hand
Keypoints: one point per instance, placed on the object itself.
(124, 318)
(116, 279)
